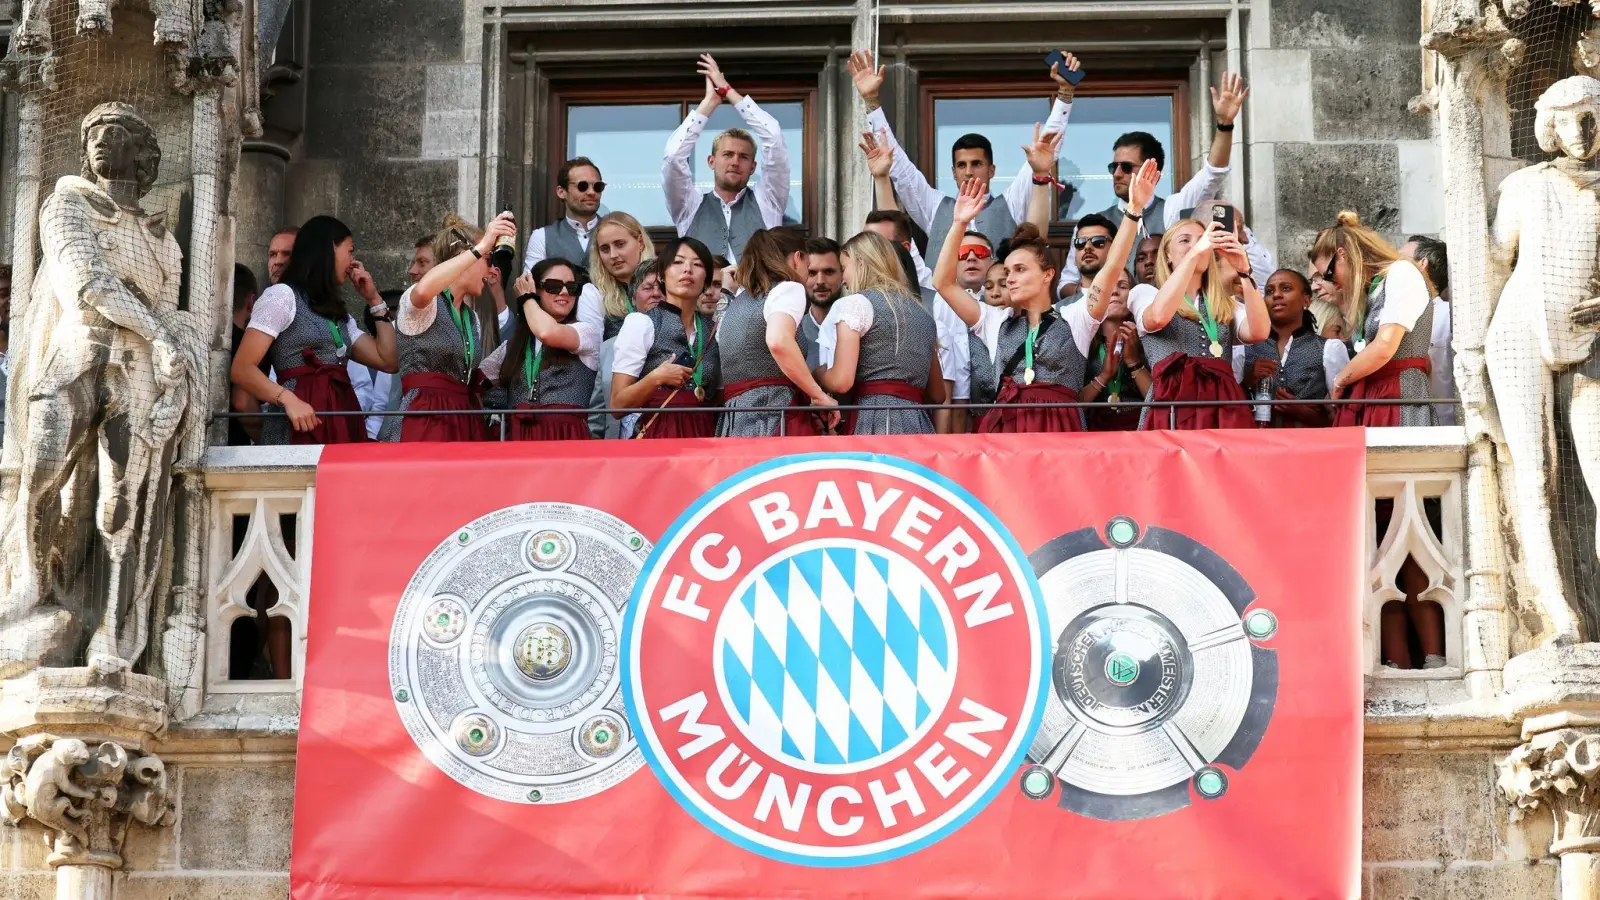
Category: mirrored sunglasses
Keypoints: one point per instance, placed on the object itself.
(974, 251)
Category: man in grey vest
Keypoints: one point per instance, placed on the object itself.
(579, 187)
(1132, 149)
(971, 157)
(824, 284)
(724, 217)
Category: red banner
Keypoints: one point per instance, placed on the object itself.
(1119, 665)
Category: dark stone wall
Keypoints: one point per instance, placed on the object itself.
(362, 156)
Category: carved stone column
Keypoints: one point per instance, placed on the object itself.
(1555, 691)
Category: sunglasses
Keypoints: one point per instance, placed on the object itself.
(974, 251)
(555, 286)
(582, 187)
(1327, 274)
(1125, 167)
(1098, 242)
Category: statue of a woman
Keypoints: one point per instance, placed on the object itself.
(85, 543)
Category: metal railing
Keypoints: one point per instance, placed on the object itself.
(1171, 406)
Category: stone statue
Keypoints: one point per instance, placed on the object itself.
(174, 23)
(120, 369)
(1548, 221)
(84, 797)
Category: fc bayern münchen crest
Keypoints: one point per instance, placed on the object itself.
(503, 657)
(835, 659)
(1160, 683)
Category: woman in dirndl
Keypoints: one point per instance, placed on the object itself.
(1296, 363)
(441, 338)
(1189, 322)
(666, 359)
(878, 345)
(551, 358)
(1388, 311)
(1039, 351)
(761, 347)
(299, 326)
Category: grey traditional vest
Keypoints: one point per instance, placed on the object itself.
(809, 329)
(440, 348)
(670, 341)
(561, 242)
(726, 237)
(1187, 336)
(995, 223)
(563, 379)
(1056, 359)
(985, 380)
(308, 330)
(1300, 372)
(742, 341)
(901, 343)
(1416, 343)
(1154, 221)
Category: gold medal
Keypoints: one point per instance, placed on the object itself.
(1114, 397)
(700, 393)
(1027, 375)
(1216, 349)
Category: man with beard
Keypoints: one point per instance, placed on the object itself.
(1090, 245)
(1144, 260)
(579, 187)
(724, 217)
(824, 284)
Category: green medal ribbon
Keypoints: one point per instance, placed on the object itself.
(463, 321)
(338, 340)
(1027, 359)
(1115, 385)
(531, 364)
(1206, 322)
(1358, 336)
(698, 351)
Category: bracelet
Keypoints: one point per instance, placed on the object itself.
(524, 298)
(281, 391)
(1136, 216)
(1224, 128)
(722, 91)
(475, 251)
(1043, 179)
(1099, 382)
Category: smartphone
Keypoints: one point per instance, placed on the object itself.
(684, 358)
(1223, 215)
(1056, 56)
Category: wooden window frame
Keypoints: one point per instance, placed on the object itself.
(934, 88)
(688, 94)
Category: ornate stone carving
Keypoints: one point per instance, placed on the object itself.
(118, 372)
(1548, 222)
(84, 796)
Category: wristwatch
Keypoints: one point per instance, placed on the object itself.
(380, 313)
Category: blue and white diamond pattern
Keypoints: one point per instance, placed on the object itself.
(835, 654)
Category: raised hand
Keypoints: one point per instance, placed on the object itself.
(969, 202)
(1132, 350)
(1143, 187)
(1207, 241)
(361, 279)
(1226, 103)
(1042, 152)
(1064, 88)
(504, 225)
(1228, 246)
(525, 284)
(868, 77)
(708, 67)
(880, 154)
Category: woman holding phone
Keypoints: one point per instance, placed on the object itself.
(441, 338)
(667, 358)
(1040, 353)
(550, 360)
(1389, 313)
(299, 326)
(1199, 307)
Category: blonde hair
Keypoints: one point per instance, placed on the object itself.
(874, 264)
(614, 294)
(1368, 255)
(737, 134)
(1219, 303)
(448, 240)
(1326, 314)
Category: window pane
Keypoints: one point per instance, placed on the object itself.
(626, 142)
(790, 116)
(1095, 125)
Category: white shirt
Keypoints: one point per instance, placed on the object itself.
(1335, 356)
(1442, 378)
(677, 172)
(1074, 314)
(537, 252)
(922, 200)
(504, 320)
(633, 343)
(1202, 187)
(1142, 295)
(955, 357)
(414, 320)
(1405, 295)
(787, 298)
(274, 311)
(589, 335)
(372, 391)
